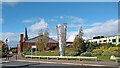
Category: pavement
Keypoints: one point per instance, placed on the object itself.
(98, 63)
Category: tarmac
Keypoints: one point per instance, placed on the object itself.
(69, 62)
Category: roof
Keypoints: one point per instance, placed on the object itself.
(50, 40)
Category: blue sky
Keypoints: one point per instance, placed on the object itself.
(96, 18)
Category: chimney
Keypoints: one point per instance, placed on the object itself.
(19, 46)
(21, 37)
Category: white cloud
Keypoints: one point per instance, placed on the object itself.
(96, 24)
(61, 17)
(27, 20)
(32, 35)
(13, 43)
(53, 37)
(9, 35)
(74, 19)
(73, 25)
(108, 28)
(52, 20)
(71, 36)
(39, 25)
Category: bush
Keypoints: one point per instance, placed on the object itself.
(116, 54)
(98, 51)
(71, 52)
(106, 53)
(51, 47)
(14, 51)
(86, 54)
(28, 49)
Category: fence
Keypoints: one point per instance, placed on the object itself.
(57, 57)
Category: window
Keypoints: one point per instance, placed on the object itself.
(105, 40)
(109, 40)
(114, 40)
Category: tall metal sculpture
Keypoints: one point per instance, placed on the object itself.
(61, 32)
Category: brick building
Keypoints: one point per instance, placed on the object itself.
(25, 42)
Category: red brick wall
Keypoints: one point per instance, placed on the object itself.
(25, 45)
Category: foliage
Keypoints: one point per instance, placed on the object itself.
(51, 47)
(108, 45)
(4, 50)
(45, 39)
(91, 45)
(40, 45)
(14, 51)
(71, 52)
(78, 43)
(105, 51)
(42, 41)
(86, 54)
(98, 51)
(28, 49)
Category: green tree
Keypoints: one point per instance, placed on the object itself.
(78, 43)
(40, 45)
(42, 40)
(45, 39)
(91, 45)
(28, 49)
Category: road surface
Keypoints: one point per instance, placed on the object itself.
(19, 64)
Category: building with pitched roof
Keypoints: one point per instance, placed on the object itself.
(23, 44)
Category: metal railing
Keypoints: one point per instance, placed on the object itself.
(57, 57)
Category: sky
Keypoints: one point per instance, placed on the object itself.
(96, 18)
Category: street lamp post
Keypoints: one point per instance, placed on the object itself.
(5, 49)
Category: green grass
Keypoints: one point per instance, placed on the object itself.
(63, 59)
(107, 58)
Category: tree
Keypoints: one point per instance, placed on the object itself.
(45, 39)
(26, 36)
(78, 43)
(28, 49)
(4, 50)
(40, 45)
(42, 41)
(91, 45)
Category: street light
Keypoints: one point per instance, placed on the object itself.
(5, 48)
(6, 40)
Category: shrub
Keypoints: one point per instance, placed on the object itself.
(14, 51)
(113, 49)
(98, 51)
(116, 54)
(71, 52)
(28, 49)
(106, 53)
(51, 47)
(86, 54)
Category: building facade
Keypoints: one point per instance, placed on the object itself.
(110, 39)
(25, 42)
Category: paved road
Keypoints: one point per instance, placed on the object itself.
(19, 64)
